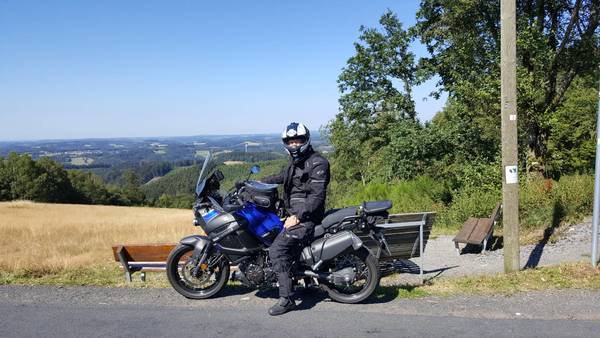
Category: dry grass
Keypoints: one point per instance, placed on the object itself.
(47, 238)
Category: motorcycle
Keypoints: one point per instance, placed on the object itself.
(241, 226)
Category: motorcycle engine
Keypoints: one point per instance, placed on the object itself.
(257, 272)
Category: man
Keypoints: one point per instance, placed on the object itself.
(305, 181)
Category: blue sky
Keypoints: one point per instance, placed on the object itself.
(79, 69)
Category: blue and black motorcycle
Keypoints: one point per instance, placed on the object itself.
(240, 227)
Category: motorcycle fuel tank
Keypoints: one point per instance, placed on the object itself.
(262, 223)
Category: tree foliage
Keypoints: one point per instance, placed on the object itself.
(557, 42)
(45, 180)
(376, 94)
(376, 135)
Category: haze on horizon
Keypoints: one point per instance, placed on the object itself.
(77, 70)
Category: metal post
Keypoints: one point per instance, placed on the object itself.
(596, 213)
(508, 89)
(124, 263)
(423, 222)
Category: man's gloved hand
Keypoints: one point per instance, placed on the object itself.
(291, 221)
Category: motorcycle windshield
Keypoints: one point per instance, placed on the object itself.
(203, 174)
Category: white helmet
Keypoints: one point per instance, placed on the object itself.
(299, 132)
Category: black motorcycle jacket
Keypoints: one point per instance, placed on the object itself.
(304, 187)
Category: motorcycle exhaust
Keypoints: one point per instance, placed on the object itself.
(342, 277)
(328, 248)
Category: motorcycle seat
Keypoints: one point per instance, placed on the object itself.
(336, 215)
(332, 217)
(376, 206)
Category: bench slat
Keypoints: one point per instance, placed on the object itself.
(481, 231)
(144, 252)
(466, 230)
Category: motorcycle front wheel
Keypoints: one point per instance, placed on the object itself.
(204, 283)
(366, 270)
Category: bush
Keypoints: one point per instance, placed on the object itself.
(575, 194)
(177, 201)
(537, 207)
(469, 202)
(420, 194)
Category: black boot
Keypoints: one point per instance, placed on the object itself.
(283, 305)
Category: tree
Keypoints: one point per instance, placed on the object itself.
(557, 42)
(20, 172)
(91, 189)
(52, 183)
(571, 143)
(4, 181)
(132, 194)
(376, 93)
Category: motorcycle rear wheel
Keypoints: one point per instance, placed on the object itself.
(209, 281)
(367, 269)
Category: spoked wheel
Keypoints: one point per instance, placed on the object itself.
(204, 283)
(361, 270)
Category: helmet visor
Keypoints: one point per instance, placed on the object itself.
(295, 140)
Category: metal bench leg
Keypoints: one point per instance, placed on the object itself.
(486, 240)
(457, 248)
(123, 260)
(421, 251)
(143, 276)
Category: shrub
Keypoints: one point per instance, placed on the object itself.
(469, 202)
(575, 193)
(537, 207)
(420, 194)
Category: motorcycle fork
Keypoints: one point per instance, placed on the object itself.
(200, 261)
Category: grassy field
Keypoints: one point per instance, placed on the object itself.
(47, 238)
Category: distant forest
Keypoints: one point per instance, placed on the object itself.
(45, 180)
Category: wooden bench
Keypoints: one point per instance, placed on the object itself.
(477, 231)
(142, 257)
(406, 236)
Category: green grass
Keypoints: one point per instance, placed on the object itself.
(565, 276)
(82, 160)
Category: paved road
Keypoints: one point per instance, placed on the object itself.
(89, 311)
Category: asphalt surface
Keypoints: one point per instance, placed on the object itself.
(126, 312)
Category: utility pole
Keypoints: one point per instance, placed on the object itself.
(510, 182)
(596, 210)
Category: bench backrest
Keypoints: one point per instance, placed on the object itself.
(144, 252)
(403, 238)
(496, 212)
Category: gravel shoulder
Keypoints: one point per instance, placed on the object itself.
(441, 259)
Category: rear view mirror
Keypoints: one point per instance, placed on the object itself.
(255, 169)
